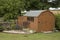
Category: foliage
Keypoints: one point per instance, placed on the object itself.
(10, 9)
(35, 5)
(40, 4)
(13, 26)
(58, 21)
(1, 28)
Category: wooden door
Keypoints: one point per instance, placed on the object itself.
(47, 22)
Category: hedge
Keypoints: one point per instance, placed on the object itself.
(57, 21)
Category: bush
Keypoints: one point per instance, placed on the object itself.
(57, 23)
(1, 29)
(13, 26)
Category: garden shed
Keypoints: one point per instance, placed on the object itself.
(38, 20)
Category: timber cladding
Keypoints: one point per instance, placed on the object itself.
(38, 20)
(46, 21)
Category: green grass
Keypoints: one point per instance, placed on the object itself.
(37, 36)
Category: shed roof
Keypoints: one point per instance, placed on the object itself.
(34, 13)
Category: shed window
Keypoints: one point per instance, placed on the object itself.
(30, 18)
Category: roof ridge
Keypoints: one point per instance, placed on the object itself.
(34, 13)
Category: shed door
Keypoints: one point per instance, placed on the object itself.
(46, 22)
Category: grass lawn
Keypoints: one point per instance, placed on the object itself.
(37, 36)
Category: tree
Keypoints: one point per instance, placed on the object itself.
(36, 4)
(40, 4)
(11, 8)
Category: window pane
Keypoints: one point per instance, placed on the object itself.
(30, 18)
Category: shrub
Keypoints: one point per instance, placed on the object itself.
(57, 23)
(1, 29)
(13, 26)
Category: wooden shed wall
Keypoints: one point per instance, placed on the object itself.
(46, 21)
(21, 19)
(34, 25)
